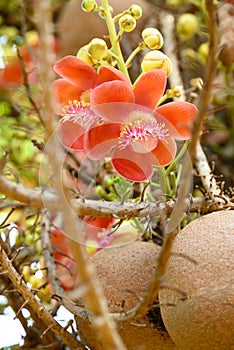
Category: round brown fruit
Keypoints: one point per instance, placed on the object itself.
(125, 273)
(205, 319)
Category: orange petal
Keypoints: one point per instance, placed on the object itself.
(150, 88)
(114, 91)
(179, 116)
(77, 72)
(164, 153)
(110, 73)
(64, 91)
(100, 139)
(132, 166)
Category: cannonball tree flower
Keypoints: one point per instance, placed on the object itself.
(138, 133)
(73, 90)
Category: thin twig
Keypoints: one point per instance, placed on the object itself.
(37, 307)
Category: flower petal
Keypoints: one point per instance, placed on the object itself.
(131, 165)
(76, 71)
(71, 134)
(149, 88)
(64, 91)
(115, 111)
(164, 153)
(179, 114)
(100, 139)
(110, 73)
(113, 91)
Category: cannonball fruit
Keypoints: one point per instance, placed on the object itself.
(201, 266)
(125, 273)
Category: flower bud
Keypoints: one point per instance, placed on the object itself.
(89, 5)
(135, 11)
(174, 3)
(156, 60)
(203, 52)
(127, 23)
(97, 48)
(187, 26)
(108, 60)
(152, 38)
(84, 55)
(175, 91)
(197, 82)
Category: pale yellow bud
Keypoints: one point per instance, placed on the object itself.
(135, 11)
(84, 55)
(175, 91)
(127, 23)
(187, 26)
(108, 60)
(203, 52)
(152, 38)
(97, 48)
(156, 60)
(89, 5)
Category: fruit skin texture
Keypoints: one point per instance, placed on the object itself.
(125, 273)
(205, 319)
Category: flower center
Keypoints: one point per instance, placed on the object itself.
(81, 113)
(141, 131)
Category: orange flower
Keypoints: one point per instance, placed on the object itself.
(73, 93)
(138, 134)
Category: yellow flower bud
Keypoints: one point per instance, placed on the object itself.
(97, 48)
(203, 52)
(174, 3)
(152, 38)
(84, 55)
(175, 91)
(156, 60)
(197, 82)
(127, 23)
(108, 60)
(187, 26)
(135, 11)
(89, 5)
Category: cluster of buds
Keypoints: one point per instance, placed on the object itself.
(175, 91)
(127, 20)
(96, 54)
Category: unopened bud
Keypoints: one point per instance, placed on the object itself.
(152, 38)
(135, 11)
(156, 60)
(127, 23)
(84, 55)
(175, 91)
(108, 60)
(89, 5)
(187, 26)
(197, 82)
(203, 52)
(97, 48)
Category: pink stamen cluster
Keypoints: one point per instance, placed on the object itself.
(81, 113)
(139, 128)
